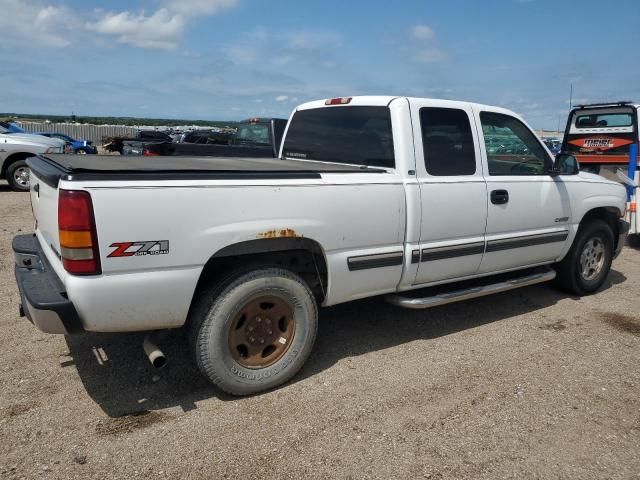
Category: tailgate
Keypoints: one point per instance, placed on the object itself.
(44, 202)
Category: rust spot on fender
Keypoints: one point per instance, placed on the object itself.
(282, 233)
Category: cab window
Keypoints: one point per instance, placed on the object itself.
(512, 149)
(447, 142)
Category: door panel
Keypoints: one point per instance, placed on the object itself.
(528, 211)
(452, 190)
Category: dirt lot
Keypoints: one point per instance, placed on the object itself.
(527, 384)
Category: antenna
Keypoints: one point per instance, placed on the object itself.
(571, 97)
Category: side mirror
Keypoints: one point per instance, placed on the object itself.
(565, 164)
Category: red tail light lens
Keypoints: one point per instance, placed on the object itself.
(77, 232)
(148, 153)
(338, 101)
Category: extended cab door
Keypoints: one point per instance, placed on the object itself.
(529, 210)
(453, 193)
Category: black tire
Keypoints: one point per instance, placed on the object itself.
(585, 275)
(15, 176)
(212, 319)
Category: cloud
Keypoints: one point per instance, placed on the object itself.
(34, 22)
(200, 7)
(308, 48)
(425, 47)
(423, 32)
(282, 98)
(429, 55)
(161, 30)
(304, 40)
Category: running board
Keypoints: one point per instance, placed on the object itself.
(468, 293)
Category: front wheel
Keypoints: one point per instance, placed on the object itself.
(587, 265)
(255, 331)
(18, 176)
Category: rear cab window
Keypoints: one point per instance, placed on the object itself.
(358, 135)
(253, 133)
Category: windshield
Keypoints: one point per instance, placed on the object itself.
(355, 135)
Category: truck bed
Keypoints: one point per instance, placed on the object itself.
(52, 168)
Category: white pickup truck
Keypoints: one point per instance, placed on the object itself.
(405, 197)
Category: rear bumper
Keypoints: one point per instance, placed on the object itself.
(42, 295)
(623, 232)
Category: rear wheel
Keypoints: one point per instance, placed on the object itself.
(255, 330)
(587, 265)
(18, 176)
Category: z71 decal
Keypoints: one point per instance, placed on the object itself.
(130, 249)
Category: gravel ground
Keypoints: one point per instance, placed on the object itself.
(526, 384)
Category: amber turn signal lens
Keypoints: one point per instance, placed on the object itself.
(71, 239)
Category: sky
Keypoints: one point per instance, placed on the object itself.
(233, 59)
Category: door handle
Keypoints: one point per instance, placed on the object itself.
(499, 197)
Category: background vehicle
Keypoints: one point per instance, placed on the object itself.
(217, 137)
(604, 139)
(553, 144)
(15, 148)
(78, 146)
(599, 135)
(256, 137)
(390, 196)
(127, 146)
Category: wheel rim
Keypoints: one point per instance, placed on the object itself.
(21, 176)
(592, 258)
(261, 331)
(81, 152)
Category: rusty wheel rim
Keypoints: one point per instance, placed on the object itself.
(261, 331)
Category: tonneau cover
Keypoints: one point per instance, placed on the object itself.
(52, 168)
(123, 163)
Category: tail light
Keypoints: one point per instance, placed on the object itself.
(148, 153)
(338, 101)
(633, 207)
(77, 231)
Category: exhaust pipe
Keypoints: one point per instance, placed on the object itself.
(153, 352)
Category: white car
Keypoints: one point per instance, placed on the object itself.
(370, 196)
(15, 148)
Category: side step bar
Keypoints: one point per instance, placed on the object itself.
(468, 293)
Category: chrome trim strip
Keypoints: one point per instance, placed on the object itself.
(27, 260)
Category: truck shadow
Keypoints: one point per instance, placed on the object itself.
(118, 377)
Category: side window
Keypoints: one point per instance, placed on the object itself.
(447, 142)
(512, 149)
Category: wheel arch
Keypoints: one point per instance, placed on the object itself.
(609, 215)
(11, 159)
(304, 256)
